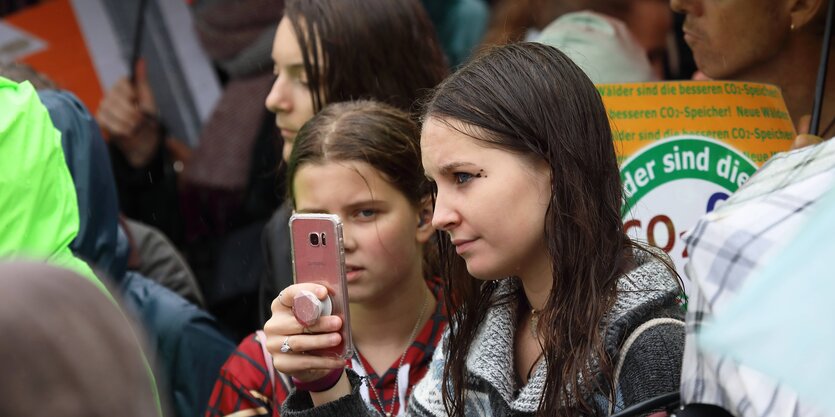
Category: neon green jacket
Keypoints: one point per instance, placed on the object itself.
(38, 206)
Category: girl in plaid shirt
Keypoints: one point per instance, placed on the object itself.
(360, 160)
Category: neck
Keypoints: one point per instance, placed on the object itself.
(794, 69)
(537, 281)
(386, 323)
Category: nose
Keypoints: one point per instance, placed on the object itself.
(446, 217)
(348, 242)
(278, 100)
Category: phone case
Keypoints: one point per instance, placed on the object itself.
(319, 257)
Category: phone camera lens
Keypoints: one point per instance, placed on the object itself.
(314, 239)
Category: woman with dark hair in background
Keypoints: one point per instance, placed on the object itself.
(554, 310)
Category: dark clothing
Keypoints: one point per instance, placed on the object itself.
(188, 344)
(278, 271)
(86, 156)
(189, 349)
(149, 193)
(155, 257)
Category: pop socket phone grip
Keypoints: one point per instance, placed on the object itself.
(307, 308)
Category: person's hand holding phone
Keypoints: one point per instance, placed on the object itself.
(290, 342)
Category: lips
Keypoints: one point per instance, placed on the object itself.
(287, 133)
(690, 34)
(462, 245)
(352, 272)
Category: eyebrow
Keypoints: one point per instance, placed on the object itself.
(448, 168)
(452, 166)
(299, 66)
(312, 211)
(369, 202)
(352, 206)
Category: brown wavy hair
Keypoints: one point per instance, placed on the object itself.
(369, 49)
(377, 134)
(365, 131)
(531, 100)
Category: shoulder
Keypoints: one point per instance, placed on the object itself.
(645, 332)
(650, 289)
(243, 384)
(647, 305)
(649, 363)
(278, 221)
(426, 397)
(247, 364)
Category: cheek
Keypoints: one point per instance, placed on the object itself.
(528, 219)
(389, 241)
(304, 104)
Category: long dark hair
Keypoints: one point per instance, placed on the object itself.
(530, 99)
(370, 49)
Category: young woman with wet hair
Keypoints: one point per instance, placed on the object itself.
(555, 312)
(329, 51)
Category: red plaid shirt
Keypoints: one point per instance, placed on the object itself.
(244, 385)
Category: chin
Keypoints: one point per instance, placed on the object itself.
(484, 273)
(715, 67)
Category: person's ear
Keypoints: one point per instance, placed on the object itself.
(424, 224)
(804, 12)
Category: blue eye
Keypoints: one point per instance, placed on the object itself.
(462, 177)
(366, 214)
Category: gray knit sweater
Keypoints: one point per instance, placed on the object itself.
(652, 365)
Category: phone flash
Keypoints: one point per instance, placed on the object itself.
(307, 308)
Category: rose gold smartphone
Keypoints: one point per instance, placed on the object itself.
(319, 257)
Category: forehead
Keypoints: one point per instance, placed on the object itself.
(334, 184)
(444, 142)
(436, 139)
(286, 49)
